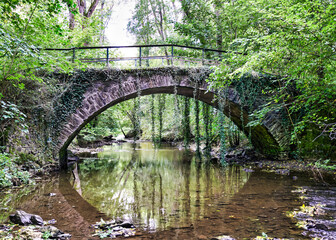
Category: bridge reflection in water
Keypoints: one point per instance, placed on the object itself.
(156, 188)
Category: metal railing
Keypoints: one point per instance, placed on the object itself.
(169, 53)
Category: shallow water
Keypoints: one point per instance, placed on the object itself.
(169, 194)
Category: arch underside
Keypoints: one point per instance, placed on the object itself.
(261, 138)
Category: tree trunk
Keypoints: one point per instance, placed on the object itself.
(71, 20)
(81, 7)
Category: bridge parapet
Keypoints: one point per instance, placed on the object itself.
(141, 55)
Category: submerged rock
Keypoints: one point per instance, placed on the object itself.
(317, 215)
(4, 227)
(38, 233)
(31, 233)
(113, 229)
(55, 232)
(224, 237)
(22, 218)
(36, 230)
(282, 171)
(319, 226)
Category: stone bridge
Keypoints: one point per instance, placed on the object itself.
(93, 91)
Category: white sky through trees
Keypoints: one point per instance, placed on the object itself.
(116, 31)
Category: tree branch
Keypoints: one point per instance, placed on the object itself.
(92, 8)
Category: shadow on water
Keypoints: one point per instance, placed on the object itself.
(168, 194)
(72, 213)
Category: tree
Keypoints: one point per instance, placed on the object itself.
(85, 14)
(215, 23)
(295, 41)
(81, 8)
(22, 34)
(20, 41)
(152, 22)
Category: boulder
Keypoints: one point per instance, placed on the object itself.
(127, 225)
(22, 218)
(131, 134)
(109, 138)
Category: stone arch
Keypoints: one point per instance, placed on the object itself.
(111, 86)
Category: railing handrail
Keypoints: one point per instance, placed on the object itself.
(170, 57)
(137, 46)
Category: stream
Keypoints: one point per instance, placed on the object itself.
(168, 193)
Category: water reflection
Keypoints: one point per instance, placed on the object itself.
(172, 195)
(76, 180)
(156, 188)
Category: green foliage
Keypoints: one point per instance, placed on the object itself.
(9, 172)
(8, 9)
(291, 40)
(152, 21)
(27, 27)
(91, 134)
(10, 117)
(25, 158)
(233, 135)
(24, 32)
(46, 235)
(324, 164)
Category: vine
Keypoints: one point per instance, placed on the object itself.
(152, 108)
(137, 133)
(186, 123)
(221, 120)
(162, 100)
(207, 128)
(70, 99)
(197, 111)
(176, 112)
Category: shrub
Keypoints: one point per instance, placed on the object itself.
(10, 174)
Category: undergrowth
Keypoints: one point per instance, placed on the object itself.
(10, 173)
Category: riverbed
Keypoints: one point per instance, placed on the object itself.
(168, 193)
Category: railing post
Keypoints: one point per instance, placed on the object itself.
(107, 57)
(172, 55)
(73, 54)
(139, 56)
(203, 55)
